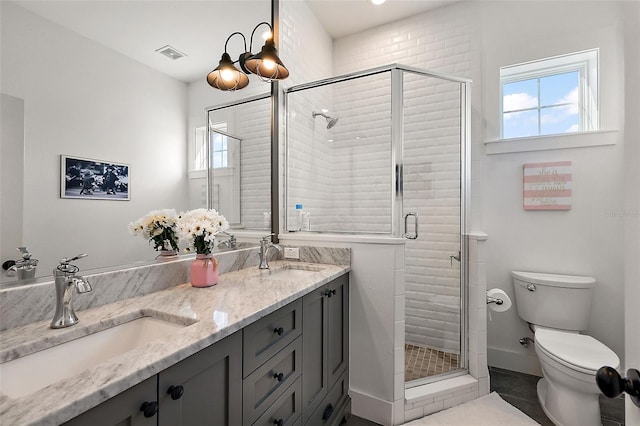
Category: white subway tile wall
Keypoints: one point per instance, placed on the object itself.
(254, 119)
(306, 49)
(343, 175)
(359, 170)
(439, 41)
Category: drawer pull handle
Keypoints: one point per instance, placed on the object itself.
(330, 293)
(176, 392)
(278, 331)
(278, 422)
(149, 408)
(278, 376)
(326, 414)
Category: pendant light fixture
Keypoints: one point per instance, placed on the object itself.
(226, 76)
(266, 65)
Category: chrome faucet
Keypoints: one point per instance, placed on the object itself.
(66, 280)
(265, 245)
(230, 242)
(24, 268)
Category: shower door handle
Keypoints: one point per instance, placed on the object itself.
(406, 226)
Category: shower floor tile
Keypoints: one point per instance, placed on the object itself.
(420, 362)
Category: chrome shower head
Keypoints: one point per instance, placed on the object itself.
(331, 121)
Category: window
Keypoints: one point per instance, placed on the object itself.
(550, 96)
(219, 150)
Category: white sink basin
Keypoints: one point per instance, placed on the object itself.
(28, 374)
(290, 272)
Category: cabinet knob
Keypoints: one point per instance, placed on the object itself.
(612, 385)
(149, 408)
(176, 392)
(278, 331)
(330, 293)
(278, 376)
(328, 411)
(278, 422)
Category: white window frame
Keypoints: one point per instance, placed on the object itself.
(199, 158)
(585, 62)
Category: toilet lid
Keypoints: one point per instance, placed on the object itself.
(576, 350)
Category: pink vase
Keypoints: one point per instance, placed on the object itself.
(204, 271)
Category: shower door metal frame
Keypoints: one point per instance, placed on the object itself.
(397, 142)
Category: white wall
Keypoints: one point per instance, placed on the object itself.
(11, 175)
(585, 240)
(82, 99)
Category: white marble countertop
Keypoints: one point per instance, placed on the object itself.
(240, 298)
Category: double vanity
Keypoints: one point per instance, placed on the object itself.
(262, 347)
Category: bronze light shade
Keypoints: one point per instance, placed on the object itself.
(266, 64)
(226, 76)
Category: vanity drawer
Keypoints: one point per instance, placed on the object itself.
(286, 410)
(265, 385)
(267, 336)
(331, 410)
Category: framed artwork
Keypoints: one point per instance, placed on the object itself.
(547, 186)
(93, 179)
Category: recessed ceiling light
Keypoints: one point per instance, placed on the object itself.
(377, 2)
(170, 52)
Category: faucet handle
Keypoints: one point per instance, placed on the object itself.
(66, 261)
(65, 267)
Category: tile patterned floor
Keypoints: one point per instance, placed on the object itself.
(519, 390)
(422, 362)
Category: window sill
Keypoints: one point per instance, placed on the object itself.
(561, 141)
(197, 174)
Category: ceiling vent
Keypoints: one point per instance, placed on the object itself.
(170, 52)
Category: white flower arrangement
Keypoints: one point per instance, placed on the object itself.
(158, 226)
(198, 228)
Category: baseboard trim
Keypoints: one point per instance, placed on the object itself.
(371, 408)
(515, 361)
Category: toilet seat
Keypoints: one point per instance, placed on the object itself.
(576, 351)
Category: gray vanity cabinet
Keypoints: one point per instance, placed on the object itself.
(289, 368)
(204, 389)
(124, 409)
(325, 350)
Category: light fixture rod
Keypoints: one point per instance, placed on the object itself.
(229, 38)
(254, 31)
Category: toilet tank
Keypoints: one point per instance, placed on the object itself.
(550, 300)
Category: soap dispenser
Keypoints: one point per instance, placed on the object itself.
(24, 268)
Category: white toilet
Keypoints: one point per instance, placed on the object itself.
(557, 306)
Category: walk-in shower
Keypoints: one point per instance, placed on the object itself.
(396, 166)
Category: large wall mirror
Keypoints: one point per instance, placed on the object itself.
(239, 150)
(99, 80)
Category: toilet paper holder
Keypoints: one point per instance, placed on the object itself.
(495, 300)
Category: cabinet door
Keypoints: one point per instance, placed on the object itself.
(123, 409)
(211, 387)
(333, 407)
(338, 328)
(314, 357)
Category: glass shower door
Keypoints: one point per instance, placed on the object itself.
(431, 160)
